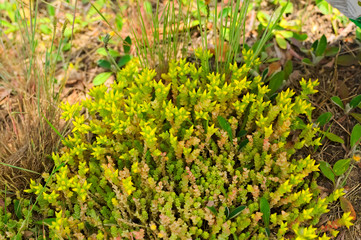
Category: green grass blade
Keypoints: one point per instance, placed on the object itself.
(268, 32)
(54, 128)
(102, 16)
(20, 168)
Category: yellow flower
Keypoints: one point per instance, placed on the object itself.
(324, 237)
(115, 202)
(135, 168)
(356, 157)
(346, 220)
(268, 131)
(128, 185)
(153, 227)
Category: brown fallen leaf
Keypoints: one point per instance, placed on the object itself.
(342, 90)
(274, 67)
(330, 63)
(347, 60)
(295, 76)
(296, 43)
(27, 234)
(347, 207)
(73, 77)
(279, 52)
(4, 93)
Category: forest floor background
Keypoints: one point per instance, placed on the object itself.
(339, 75)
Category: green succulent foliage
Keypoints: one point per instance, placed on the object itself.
(12, 215)
(193, 155)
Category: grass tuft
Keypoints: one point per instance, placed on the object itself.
(30, 113)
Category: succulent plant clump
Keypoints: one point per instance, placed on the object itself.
(194, 155)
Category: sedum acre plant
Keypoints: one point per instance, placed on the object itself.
(194, 155)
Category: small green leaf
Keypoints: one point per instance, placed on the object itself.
(235, 212)
(242, 133)
(263, 17)
(17, 209)
(327, 171)
(66, 47)
(317, 59)
(271, 60)
(321, 46)
(357, 116)
(288, 5)
(45, 29)
(299, 124)
(194, 23)
(314, 45)
(355, 101)
(332, 51)
(276, 82)
(282, 43)
(51, 10)
(264, 74)
(227, 212)
(148, 7)
(324, 7)
(119, 22)
(148, 156)
(227, 11)
(104, 63)
(341, 166)
(101, 78)
(124, 60)
(355, 135)
(285, 33)
(288, 69)
(47, 221)
(213, 210)
(266, 210)
(324, 118)
(358, 33)
(336, 100)
(205, 125)
(126, 44)
(225, 126)
(243, 143)
(334, 138)
(138, 145)
(268, 231)
(300, 37)
(112, 52)
(307, 61)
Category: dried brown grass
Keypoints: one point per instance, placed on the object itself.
(26, 139)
